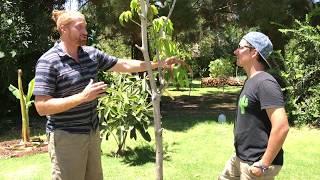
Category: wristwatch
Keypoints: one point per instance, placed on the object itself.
(262, 167)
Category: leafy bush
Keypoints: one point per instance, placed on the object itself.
(215, 45)
(125, 109)
(221, 68)
(115, 46)
(302, 73)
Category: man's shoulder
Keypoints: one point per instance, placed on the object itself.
(51, 55)
(263, 77)
(89, 49)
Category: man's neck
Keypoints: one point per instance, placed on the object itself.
(254, 70)
(71, 49)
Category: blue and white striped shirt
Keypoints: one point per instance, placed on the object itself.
(58, 75)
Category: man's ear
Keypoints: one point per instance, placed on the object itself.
(255, 54)
(63, 29)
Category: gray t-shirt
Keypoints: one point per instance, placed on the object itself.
(252, 126)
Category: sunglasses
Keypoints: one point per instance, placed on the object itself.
(245, 46)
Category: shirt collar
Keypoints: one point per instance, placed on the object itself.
(57, 46)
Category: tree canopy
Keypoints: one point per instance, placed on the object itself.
(211, 28)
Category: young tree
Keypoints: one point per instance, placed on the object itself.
(161, 32)
(25, 104)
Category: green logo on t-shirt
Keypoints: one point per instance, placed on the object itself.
(243, 103)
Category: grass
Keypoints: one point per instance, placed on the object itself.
(196, 147)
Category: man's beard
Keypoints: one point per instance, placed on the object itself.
(83, 42)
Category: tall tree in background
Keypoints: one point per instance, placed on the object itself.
(104, 14)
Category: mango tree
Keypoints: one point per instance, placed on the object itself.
(125, 109)
(161, 43)
(25, 103)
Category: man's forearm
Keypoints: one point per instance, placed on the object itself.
(124, 65)
(57, 105)
(276, 140)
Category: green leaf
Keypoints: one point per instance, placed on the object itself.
(125, 17)
(133, 134)
(14, 91)
(13, 53)
(29, 103)
(2, 54)
(30, 90)
(154, 10)
(145, 134)
(134, 4)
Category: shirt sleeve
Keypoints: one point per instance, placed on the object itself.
(45, 78)
(105, 62)
(270, 94)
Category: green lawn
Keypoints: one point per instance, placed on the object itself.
(196, 147)
(198, 151)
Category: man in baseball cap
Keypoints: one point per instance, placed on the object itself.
(261, 125)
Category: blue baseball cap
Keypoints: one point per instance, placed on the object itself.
(261, 43)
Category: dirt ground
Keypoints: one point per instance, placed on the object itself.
(15, 148)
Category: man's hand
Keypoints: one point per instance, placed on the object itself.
(171, 60)
(93, 91)
(255, 170)
(168, 62)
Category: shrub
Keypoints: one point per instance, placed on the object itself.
(125, 109)
(302, 73)
(221, 68)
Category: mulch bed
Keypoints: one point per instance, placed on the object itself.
(14, 148)
(218, 82)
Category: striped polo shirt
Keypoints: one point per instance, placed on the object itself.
(58, 75)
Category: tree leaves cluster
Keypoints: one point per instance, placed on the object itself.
(26, 32)
(214, 25)
(302, 72)
(125, 110)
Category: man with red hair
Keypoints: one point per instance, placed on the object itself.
(66, 91)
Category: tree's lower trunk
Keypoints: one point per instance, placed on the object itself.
(158, 136)
(25, 128)
(24, 111)
(121, 143)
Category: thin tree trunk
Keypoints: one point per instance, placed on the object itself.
(155, 95)
(24, 112)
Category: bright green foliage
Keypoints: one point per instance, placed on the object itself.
(302, 73)
(161, 43)
(180, 77)
(125, 17)
(217, 45)
(134, 6)
(27, 97)
(115, 46)
(161, 33)
(221, 68)
(125, 109)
